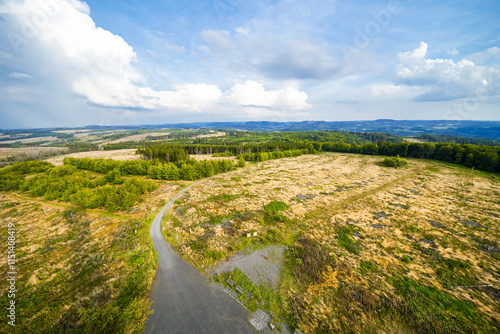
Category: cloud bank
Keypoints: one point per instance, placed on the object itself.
(446, 79)
(101, 67)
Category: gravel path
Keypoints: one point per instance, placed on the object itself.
(183, 300)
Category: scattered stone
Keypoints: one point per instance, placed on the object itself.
(350, 221)
(438, 225)
(305, 197)
(301, 197)
(379, 215)
(399, 206)
(378, 226)
(356, 234)
(415, 192)
(488, 246)
(470, 223)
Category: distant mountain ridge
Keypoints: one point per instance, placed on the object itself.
(466, 128)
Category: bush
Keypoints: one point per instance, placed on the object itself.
(395, 162)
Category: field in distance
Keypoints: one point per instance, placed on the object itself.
(367, 247)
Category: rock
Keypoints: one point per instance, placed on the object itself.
(378, 226)
(429, 242)
(438, 225)
(470, 223)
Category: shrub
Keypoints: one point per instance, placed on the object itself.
(395, 162)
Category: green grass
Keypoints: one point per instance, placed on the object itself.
(221, 198)
(345, 241)
(427, 309)
(367, 267)
(275, 206)
(455, 272)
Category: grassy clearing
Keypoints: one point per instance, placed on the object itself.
(370, 248)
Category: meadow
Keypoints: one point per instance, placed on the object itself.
(369, 247)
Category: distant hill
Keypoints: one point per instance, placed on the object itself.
(406, 128)
(474, 129)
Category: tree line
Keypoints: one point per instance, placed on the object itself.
(156, 169)
(482, 157)
(437, 138)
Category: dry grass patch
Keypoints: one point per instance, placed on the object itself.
(428, 231)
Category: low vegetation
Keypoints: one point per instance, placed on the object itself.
(369, 248)
(78, 272)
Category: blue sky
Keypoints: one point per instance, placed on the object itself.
(74, 63)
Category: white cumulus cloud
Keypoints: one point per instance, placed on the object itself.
(253, 94)
(101, 67)
(445, 79)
